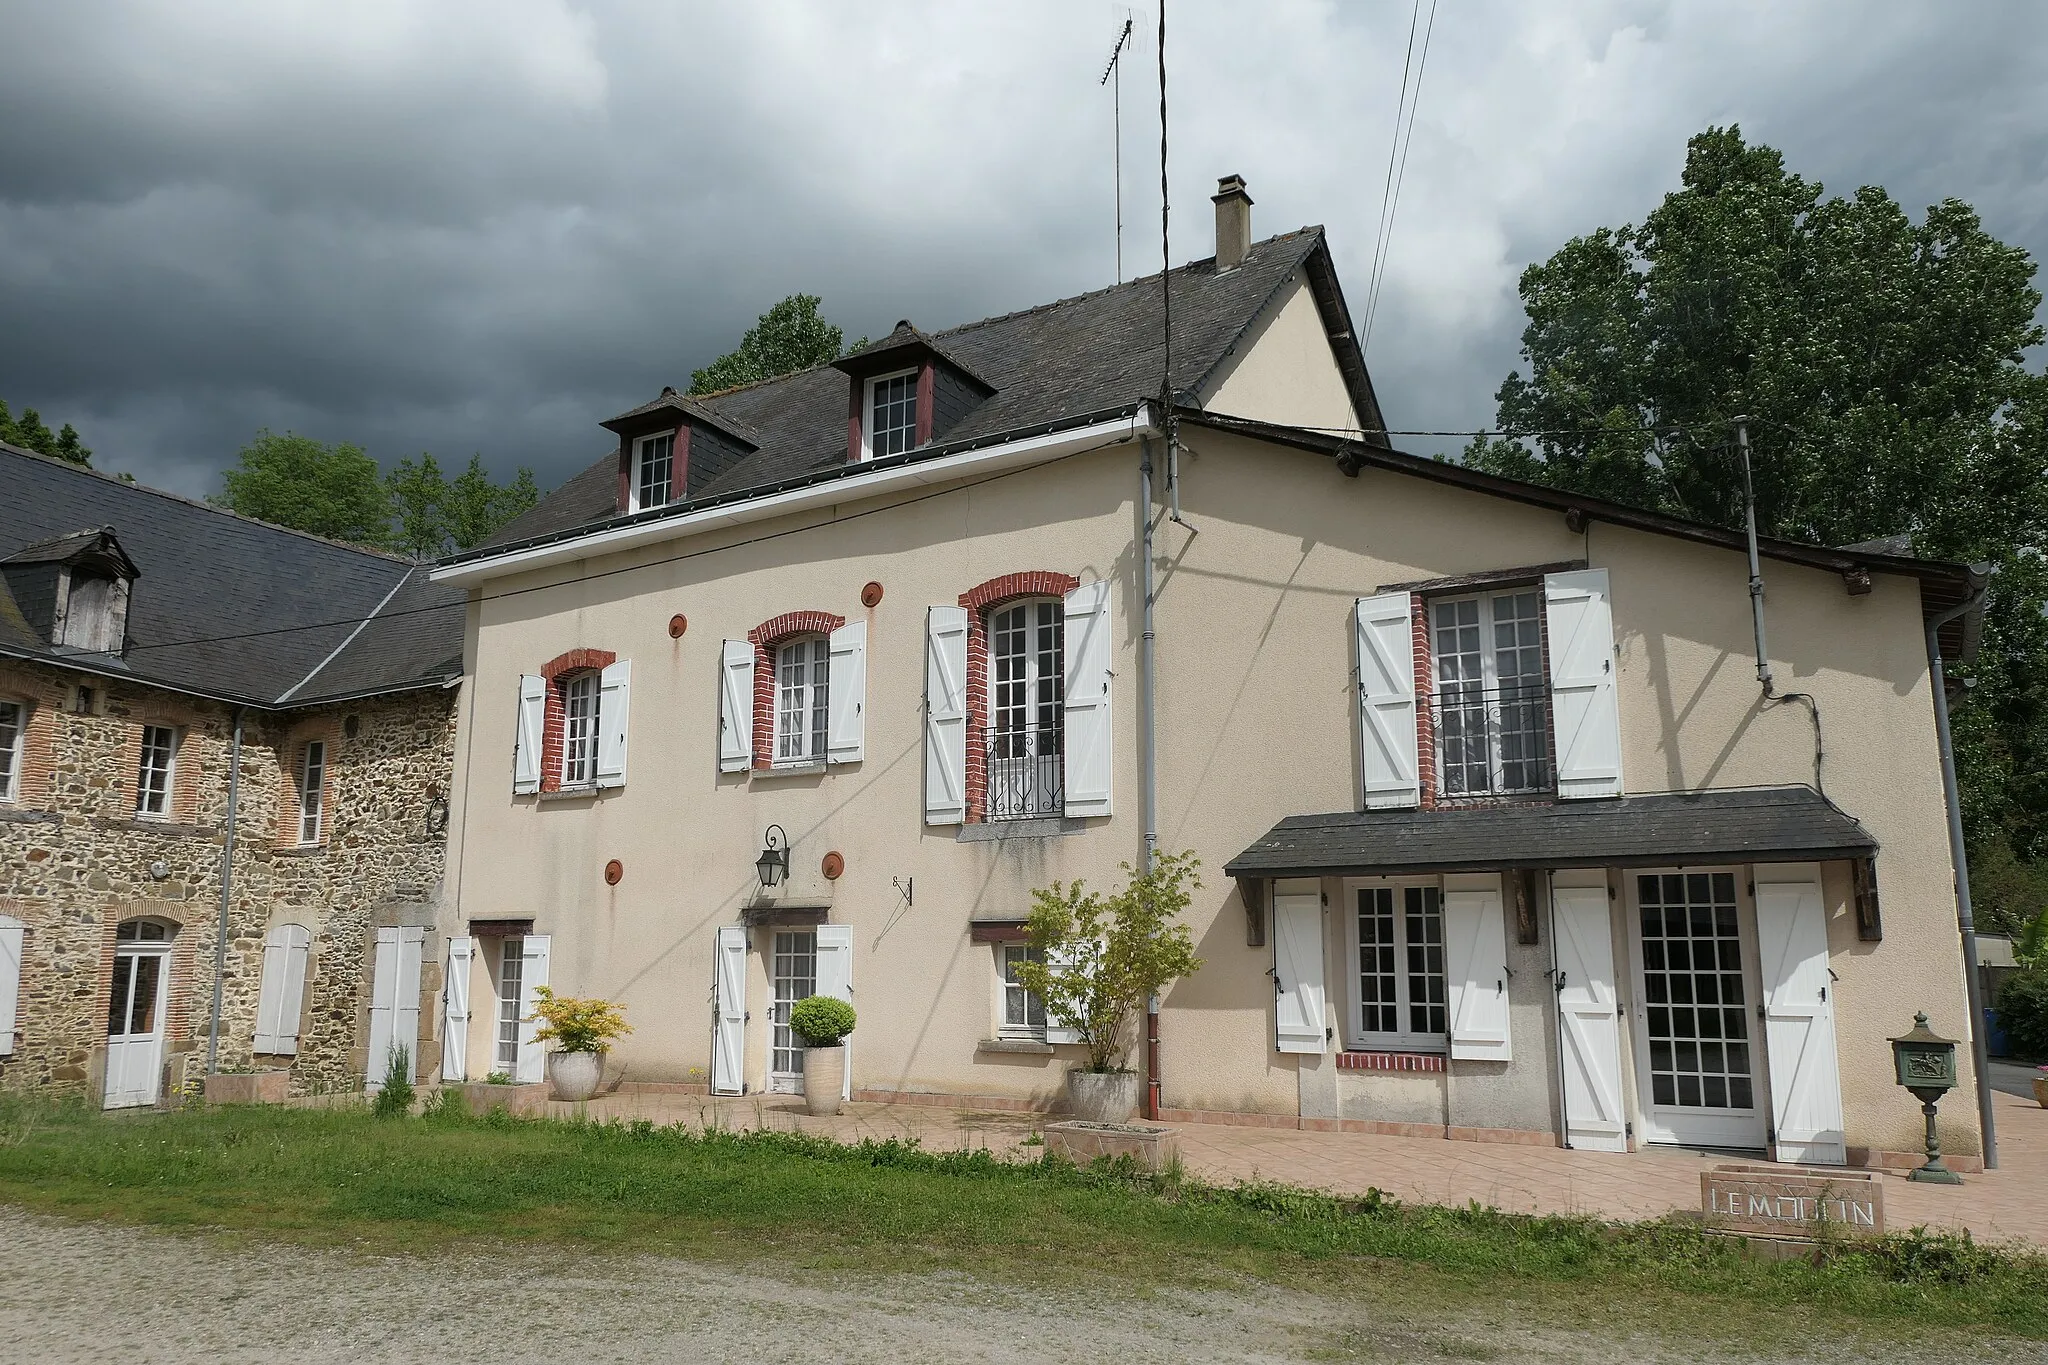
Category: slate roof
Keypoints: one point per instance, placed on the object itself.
(1744, 825)
(1094, 353)
(229, 607)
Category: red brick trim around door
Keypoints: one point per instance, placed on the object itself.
(766, 638)
(979, 600)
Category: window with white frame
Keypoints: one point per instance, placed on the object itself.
(312, 777)
(803, 671)
(157, 771)
(13, 729)
(1399, 996)
(653, 470)
(579, 729)
(1026, 719)
(891, 425)
(1491, 705)
(1023, 1012)
(511, 1002)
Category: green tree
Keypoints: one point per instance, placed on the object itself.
(417, 491)
(475, 507)
(28, 432)
(328, 490)
(1104, 957)
(787, 338)
(1881, 363)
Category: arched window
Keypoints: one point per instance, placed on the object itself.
(1026, 709)
(579, 696)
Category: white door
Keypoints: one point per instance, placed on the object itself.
(1588, 1019)
(729, 1019)
(793, 976)
(135, 1015)
(1696, 994)
(1799, 1016)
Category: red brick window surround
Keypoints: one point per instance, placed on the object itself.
(554, 714)
(292, 754)
(766, 639)
(182, 967)
(980, 601)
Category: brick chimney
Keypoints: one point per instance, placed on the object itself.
(1233, 222)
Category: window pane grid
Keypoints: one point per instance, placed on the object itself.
(511, 997)
(1023, 1012)
(153, 781)
(657, 467)
(1491, 709)
(796, 978)
(803, 688)
(1402, 990)
(1697, 1020)
(312, 774)
(892, 416)
(1427, 1010)
(1378, 983)
(10, 748)
(579, 729)
(1027, 711)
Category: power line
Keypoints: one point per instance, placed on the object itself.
(1393, 149)
(1407, 141)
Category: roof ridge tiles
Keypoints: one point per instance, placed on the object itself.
(202, 505)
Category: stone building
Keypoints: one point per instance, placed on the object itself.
(225, 751)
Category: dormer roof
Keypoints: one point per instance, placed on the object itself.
(904, 348)
(636, 421)
(95, 547)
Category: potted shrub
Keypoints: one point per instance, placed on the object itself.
(1104, 959)
(579, 1029)
(822, 1021)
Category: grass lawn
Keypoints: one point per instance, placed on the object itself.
(343, 1177)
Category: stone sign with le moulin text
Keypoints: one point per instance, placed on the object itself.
(1762, 1201)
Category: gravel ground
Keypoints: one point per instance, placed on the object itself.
(72, 1292)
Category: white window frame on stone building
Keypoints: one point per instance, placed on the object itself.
(312, 789)
(13, 739)
(157, 772)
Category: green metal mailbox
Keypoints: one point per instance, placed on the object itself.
(1926, 1066)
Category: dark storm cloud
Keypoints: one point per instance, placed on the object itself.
(485, 227)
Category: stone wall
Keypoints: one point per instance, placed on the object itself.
(75, 862)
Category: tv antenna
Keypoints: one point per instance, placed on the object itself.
(1113, 76)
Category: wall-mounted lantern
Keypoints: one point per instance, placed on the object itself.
(1926, 1065)
(773, 864)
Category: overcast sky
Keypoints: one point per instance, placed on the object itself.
(485, 227)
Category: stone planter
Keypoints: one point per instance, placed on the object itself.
(575, 1074)
(2041, 1091)
(249, 1087)
(1102, 1096)
(520, 1101)
(824, 1079)
(1081, 1143)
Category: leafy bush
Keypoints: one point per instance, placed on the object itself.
(821, 1020)
(395, 1099)
(498, 1078)
(578, 1025)
(2023, 1012)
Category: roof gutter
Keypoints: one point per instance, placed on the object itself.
(993, 458)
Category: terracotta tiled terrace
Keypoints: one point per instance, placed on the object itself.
(2010, 1203)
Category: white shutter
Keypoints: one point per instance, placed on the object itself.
(533, 968)
(533, 704)
(1799, 1015)
(283, 992)
(846, 693)
(1583, 710)
(1387, 757)
(945, 716)
(405, 1013)
(1476, 966)
(736, 707)
(383, 997)
(1588, 1013)
(1057, 1030)
(1299, 991)
(614, 710)
(1091, 738)
(11, 934)
(729, 1030)
(835, 978)
(455, 1009)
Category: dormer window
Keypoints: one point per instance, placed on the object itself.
(653, 471)
(891, 425)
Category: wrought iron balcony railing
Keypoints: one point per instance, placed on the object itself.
(1491, 741)
(1026, 772)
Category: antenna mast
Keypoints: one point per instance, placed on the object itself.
(1114, 72)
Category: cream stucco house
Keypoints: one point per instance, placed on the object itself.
(1500, 839)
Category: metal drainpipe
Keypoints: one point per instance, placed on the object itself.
(227, 885)
(1965, 917)
(1148, 778)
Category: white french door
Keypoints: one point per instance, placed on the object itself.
(135, 1021)
(793, 976)
(1698, 1059)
